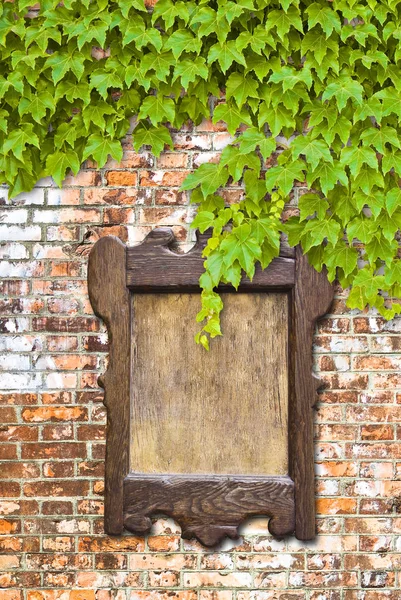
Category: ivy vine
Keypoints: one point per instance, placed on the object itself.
(312, 87)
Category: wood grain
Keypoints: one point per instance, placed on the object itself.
(208, 508)
(218, 412)
(311, 299)
(153, 266)
(110, 301)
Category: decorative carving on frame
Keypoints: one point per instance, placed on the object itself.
(207, 445)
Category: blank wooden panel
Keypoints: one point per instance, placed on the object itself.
(221, 412)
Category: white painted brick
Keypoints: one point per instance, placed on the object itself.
(14, 362)
(20, 343)
(45, 182)
(18, 269)
(20, 381)
(14, 216)
(3, 195)
(13, 251)
(14, 325)
(34, 197)
(12, 233)
(46, 216)
(59, 381)
(45, 363)
(48, 251)
(54, 197)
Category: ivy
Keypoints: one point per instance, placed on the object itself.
(312, 90)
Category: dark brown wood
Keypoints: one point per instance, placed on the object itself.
(311, 299)
(153, 266)
(110, 301)
(209, 508)
(211, 504)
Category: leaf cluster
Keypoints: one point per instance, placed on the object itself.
(310, 88)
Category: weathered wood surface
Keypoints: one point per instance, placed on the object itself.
(311, 299)
(218, 412)
(209, 508)
(110, 300)
(153, 266)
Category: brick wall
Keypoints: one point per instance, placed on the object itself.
(53, 421)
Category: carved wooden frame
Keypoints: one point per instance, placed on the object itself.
(207, 507)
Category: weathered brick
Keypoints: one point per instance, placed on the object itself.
(121, 178)
(53, 422)
(54, 450)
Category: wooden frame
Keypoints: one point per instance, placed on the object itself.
(211, 506)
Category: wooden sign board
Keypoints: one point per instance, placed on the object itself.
(208, 438)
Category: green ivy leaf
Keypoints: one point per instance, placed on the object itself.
(283, 21)
(252, 138)
(360, 228)
(225, 54)
(241, 88)
(203, 220)
(60, 162)
(343, 256)
(343, 89)
(378, 138)
(18, 139)
(313, 150)
(241, 246)
(209, 176)
(328, 175)
(283, 177)
(236, 161)
(393, 272)
(320, 230)
(100, 148)
(156, 137)
(311, 204)
(142, 37)
(37, 105)
(61, 62)
(232, 116)
(355, 157)
(182, 40)
(324, 16)
(157, 108)
(103, 80)
(393, 200)
(95, 113)
(379, 247)
(189, 70)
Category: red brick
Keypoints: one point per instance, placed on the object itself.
(57, 507)
(336, 506)
(119, 215)
(57, 398)
(63, 324)
(17, 399)
(111, 544)
(162, 178)
(377, 432)
(8, 526)
(121, 178)
(19, 433)
(54, 450)
(54, 413)
(19, 470)
(172, 160)
(56, 488)
(58, 469)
